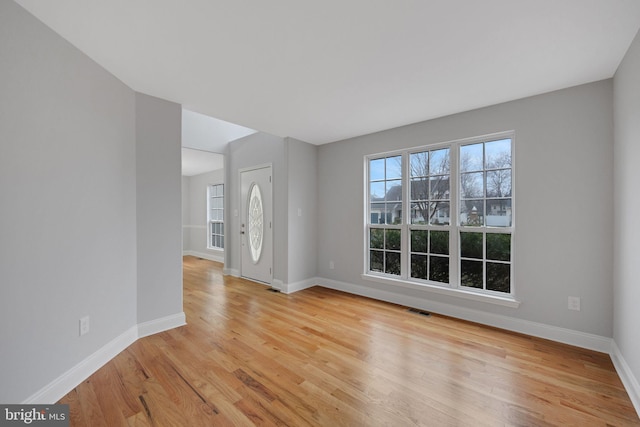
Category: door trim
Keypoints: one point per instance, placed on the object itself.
(241, 218)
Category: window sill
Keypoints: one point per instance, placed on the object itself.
(457, 293)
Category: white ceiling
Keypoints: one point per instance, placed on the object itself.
(327, 70)
(204, 140)
(206, 133)
(195, 162)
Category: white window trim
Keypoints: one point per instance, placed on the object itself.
(210, 245)
(504, 300)
(453, 288)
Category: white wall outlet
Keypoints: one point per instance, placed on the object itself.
(574, 303)
(84, 325)
(331, 265)
(299, 211)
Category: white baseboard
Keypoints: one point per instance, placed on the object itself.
(626, 375)
(66, 382)
(290, 288)
(278, 284)
(554, 333)
(160, 325)
(231, 272)
(210, 257)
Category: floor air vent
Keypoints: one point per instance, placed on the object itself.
(273, 290)
(420, 312)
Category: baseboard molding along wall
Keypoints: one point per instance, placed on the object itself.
(160, 325)
(66, 382)
(210, 257)
(628, 379)
(540, 330)
(290, 288)
(277, 284)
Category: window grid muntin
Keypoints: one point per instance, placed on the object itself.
(484, 226)
(423, 175)
(482, 201)
(484, 259)
(388, 215)
(428, 226)
(385, 250)
(430, 255)
(392, 185)
(215, 216)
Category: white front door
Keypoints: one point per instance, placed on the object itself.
(256, 224)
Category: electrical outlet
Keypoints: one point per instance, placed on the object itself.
(574, 303)
(331, 265)
(84, 325)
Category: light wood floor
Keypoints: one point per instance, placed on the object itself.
(319, 357)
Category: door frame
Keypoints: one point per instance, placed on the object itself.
(241, 218)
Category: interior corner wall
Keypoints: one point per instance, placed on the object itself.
(257, 149)
(68, 209)
(563, 206)
(197, 227)
(158, 208)
(302, 199)
(627, 207)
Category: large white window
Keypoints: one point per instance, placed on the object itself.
(215, 212)
(442, 215)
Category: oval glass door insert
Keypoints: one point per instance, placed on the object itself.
(255, 219)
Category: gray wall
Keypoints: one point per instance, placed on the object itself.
(294, 188)
(90, 211)
(563, 203)
(158, 204)
(627, 208)
(302, 209)
(67, 205)
(253, 150)
(195, 225)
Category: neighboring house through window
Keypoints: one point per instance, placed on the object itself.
(442, 215)
(215, 218)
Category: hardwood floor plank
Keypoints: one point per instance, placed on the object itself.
(89, 404)
(325, 358)
(76, 415)
(113, 399)
(138, 420)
